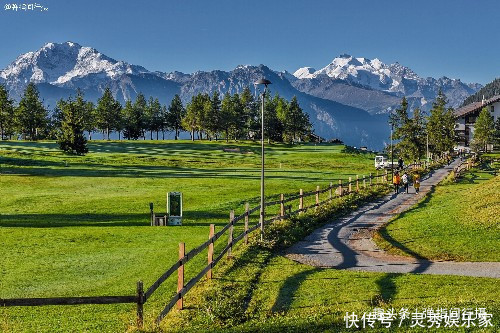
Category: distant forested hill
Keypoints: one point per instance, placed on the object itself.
(488, 91)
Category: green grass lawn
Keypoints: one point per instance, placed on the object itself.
(262, 291)
(79, 226)
(458, 221)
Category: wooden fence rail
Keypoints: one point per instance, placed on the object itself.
(179, 266)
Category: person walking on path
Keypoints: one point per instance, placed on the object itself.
(400, 163)
(416, 182)
(406, 181)
(396, 180)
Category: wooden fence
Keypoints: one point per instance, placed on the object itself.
(334, 191)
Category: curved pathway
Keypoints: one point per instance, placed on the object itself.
(346, 243)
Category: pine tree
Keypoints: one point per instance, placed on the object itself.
(441, 126)
(71, 138)
(191, 120)
(108, 113)
(31, 115)
(88, 113)
(134, 119)
(296, 124)
(227, 115)
(273, 127)
(176, 112)
(7, 116)
(251, 114)
(213, 115)
(497, 132)
(484, 129)
(153, 117)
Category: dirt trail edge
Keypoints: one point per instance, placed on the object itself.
(346, 243)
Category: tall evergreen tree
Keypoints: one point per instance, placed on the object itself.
(296, 124)
(192, 121)
(31, 115)
(134, 119)
(71, 138)
(484, 129)
(497, 132)
(227, 115)
(176, 112)
(408, 132)
(7, 117)
(108, 112)
(273, 127)
(441, 126)
(153, 117)
(251, 114)
(213, 115)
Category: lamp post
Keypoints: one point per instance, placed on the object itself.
(262, 204)
(392, 152)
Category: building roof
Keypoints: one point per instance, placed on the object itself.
(476, 106)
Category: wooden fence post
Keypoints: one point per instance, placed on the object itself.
(180, 275)
(301, 200)
(330, 191)
(317, 196)
(385, 177)
(377, 181)
(210, 250)
(230, 238)
(247, 208)
(350, 185)
(282, 205)
(152, 213)
(140, 302)
(357, 183)
(364, 181)
(340, 188)
(371, 179)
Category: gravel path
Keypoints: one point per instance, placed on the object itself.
(346, 243)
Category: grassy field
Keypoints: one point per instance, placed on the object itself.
(262, 291)
(79, 226)
(458, 221)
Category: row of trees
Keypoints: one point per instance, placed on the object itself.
(238, 116)
(412, 134)
(234, 116)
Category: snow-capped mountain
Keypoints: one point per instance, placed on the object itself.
(347, 99)
(60, 68)
(394, 79)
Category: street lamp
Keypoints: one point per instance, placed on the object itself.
(392, 152)
(262, 204)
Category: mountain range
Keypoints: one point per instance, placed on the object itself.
(349, 98)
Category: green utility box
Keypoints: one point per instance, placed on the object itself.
(174, 208)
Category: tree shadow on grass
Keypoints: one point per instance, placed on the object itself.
(289, 289)
(103, 220)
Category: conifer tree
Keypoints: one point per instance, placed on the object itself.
(484, 129)
(176, 112)
(108, 113)
(134, 120)
(213, 115)
(153, 117)
(441, 126)
(7, 117)
(192, 119)
(71, 138)
(31, 115)
(251, 114)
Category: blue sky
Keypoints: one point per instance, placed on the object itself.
(455, 38)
